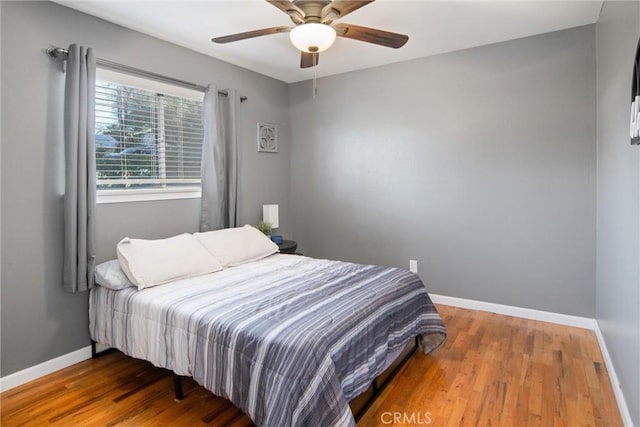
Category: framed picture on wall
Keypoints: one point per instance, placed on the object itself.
(267, 138)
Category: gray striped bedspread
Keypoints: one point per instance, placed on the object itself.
(288, 339)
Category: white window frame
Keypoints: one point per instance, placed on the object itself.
(146, 195)
(120, 195)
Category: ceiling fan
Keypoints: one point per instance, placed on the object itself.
(315, 29)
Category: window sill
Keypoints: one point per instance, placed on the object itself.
(146, 195)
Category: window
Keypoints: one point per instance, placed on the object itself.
(148, 139)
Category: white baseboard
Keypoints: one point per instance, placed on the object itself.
(509, 310)
(45, 368)
(615, 383)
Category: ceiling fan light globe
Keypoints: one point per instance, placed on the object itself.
(313, 37)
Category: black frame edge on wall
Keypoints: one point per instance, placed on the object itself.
(635, 95)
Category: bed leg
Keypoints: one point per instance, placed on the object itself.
(177, 386)
(95, 353)
(379, 388)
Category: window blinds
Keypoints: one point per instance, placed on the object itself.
(146, 139)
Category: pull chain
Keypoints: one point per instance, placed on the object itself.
(315, 76)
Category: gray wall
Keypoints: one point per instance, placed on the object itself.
(480, 164)
(39, 320)
(618, 259)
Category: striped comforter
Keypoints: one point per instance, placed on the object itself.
(288, 339)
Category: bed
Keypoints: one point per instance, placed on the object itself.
(288, 339)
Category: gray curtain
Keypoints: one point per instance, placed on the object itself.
(219, 170)
(80, 170)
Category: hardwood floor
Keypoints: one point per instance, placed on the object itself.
(496, 370)
(492, 370)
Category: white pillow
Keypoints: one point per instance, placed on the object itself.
(110, 275)
(154, 262)
(235, 246)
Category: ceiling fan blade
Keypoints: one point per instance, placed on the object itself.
(341, 8)
(308, 60)
(295, 13)
(371, 35)
(250, 34)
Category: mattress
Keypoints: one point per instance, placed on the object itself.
(288, 339)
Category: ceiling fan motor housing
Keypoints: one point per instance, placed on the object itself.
(312, 9)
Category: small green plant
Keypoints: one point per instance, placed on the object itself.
(265, 227)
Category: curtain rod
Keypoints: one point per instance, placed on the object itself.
(56, 52)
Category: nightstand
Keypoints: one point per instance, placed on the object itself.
(288, 247)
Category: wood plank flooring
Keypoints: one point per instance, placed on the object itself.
(493, 370)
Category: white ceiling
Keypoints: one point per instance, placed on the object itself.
(433, 27)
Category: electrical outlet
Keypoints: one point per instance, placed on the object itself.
(413, 265)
